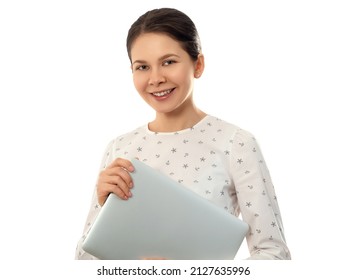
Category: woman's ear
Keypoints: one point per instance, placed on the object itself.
(199, 66)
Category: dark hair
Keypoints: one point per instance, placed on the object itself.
(171, 22)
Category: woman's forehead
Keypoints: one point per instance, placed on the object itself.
(154, 44)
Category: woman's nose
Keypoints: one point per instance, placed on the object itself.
(156, 77)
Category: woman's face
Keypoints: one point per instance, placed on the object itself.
(163, 72)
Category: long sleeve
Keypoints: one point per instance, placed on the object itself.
(94, 210)
(218, 161)
(257, 199)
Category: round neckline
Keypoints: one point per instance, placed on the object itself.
(199, 123)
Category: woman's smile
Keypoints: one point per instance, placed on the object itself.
(161, 95)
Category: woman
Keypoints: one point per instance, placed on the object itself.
(215, 159)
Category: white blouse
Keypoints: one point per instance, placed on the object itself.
(220, 162)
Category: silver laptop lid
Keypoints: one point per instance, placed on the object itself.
(163, 219)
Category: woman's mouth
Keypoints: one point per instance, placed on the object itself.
(162, 94)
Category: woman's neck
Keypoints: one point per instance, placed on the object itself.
(170, 122)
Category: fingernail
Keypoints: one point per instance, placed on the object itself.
(131, 185)
(130, 194)
(131, 168)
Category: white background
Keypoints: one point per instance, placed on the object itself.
(275, 68)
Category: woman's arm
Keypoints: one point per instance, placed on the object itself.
(113, 178)
(257, 200)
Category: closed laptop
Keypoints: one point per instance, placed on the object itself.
(163, 219)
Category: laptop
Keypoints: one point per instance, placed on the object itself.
(163, 219)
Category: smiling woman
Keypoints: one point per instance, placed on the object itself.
(216, 159)
(164, 74)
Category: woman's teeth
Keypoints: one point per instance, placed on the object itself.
(162, 93)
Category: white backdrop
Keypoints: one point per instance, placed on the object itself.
(275, 68)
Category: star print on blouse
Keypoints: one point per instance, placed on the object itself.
(218, 161)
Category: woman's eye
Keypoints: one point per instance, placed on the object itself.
(141, 67)
(168, 62)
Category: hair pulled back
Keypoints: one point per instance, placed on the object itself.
(171, 22)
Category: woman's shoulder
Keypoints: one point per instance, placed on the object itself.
(132, 133)
(233, 130)
(127, 137)
(124, 139)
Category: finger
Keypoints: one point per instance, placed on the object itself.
(124, 163)
(105, 190)
(120, 183)
(115, 176)
(108, 188)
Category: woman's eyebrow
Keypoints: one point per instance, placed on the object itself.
(168, 55)
(140, 61)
